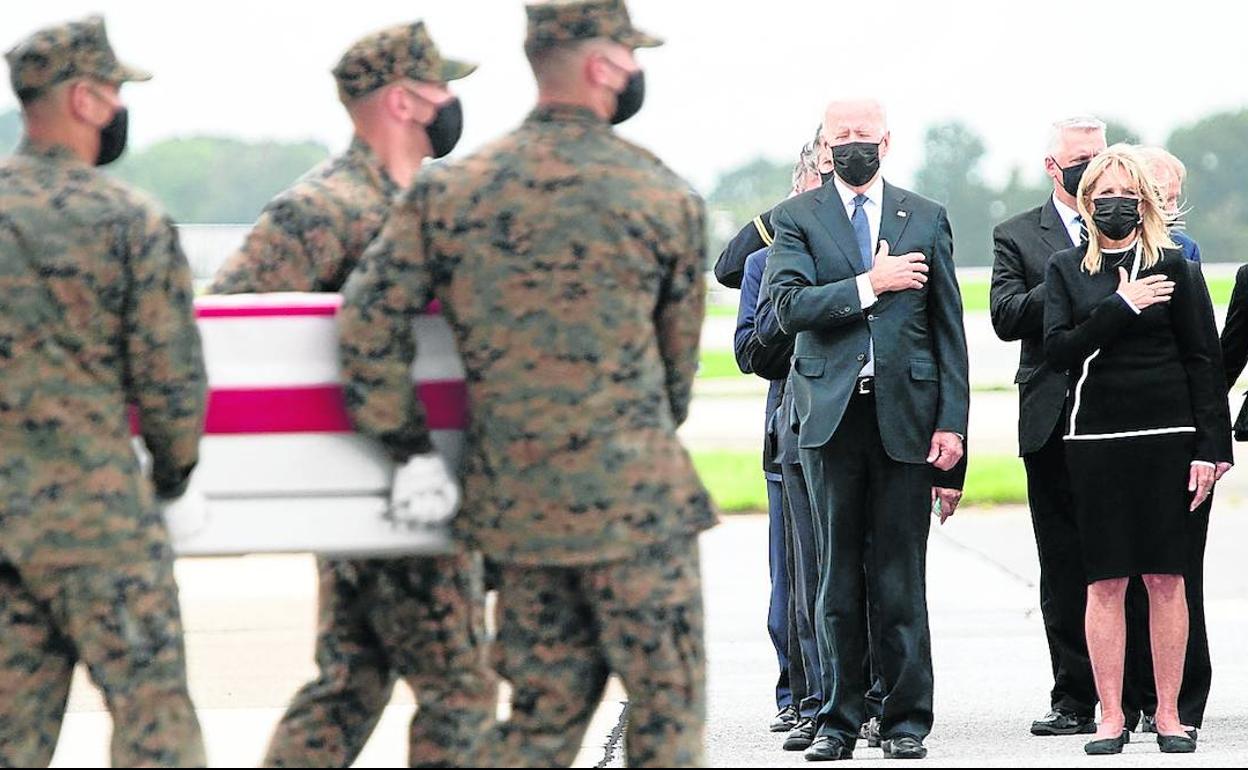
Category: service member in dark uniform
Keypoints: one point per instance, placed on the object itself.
(569, 265)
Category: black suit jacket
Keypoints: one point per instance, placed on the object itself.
(1022, 247)
(1235, 333)
(1235, 345)
(921, 369)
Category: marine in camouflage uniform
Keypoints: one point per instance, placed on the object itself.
(569, 265)
(418, 618)
(95, 315)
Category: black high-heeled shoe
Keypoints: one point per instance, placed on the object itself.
(1107, 746)
(1176, 744)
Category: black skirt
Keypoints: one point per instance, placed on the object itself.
(1131, 503)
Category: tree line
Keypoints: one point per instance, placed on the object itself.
(1214, 148)
(216, 180)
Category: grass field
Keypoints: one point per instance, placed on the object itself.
(735, 480)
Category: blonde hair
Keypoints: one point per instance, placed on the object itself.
(1154, 233)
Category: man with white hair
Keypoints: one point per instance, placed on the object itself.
(1022, 246)
(1170, 173)
(862, 273)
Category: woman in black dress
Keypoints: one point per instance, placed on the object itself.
(1147, 422)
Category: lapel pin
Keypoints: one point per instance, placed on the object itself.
(902, 214)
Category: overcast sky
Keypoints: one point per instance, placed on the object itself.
(737, 78)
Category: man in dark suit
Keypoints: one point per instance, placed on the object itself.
(862, 272)
(1021, 250)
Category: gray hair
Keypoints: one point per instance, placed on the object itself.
(1076, 123)
(807, 159)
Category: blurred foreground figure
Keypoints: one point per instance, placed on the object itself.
(417, 618)
(95, 315)
(568, 263)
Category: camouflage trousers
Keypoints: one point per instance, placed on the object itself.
(124, 623)
(563, 631)
(415, 618)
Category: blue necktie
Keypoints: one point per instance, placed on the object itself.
(862, 229)
(1083, 231)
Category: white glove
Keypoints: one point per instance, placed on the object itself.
(423, 494)
(186, 515)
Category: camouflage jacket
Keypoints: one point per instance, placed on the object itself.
(95, 314)
(569, 265)
(310, 237)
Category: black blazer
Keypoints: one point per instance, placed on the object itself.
(1021, 247)
(1235, 345)
(921, 369)
(1158, 371)
(1235, 333)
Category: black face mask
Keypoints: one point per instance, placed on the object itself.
(446, 128)
(1071, 176)
(826, 176)
(856, 163)
(628, 102)
(113, 138)
(1116, 218)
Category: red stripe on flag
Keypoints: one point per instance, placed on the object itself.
(315, 409)
(328, 309)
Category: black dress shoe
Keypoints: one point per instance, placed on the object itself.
(904, 747)
(1107, 746)
(828, 749)
(1176, 744)
(870, 733)
(801, 736)
(785, 720)
(1063, 723)
(1150, 726)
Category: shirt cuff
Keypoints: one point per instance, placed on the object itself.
(866, 295)
(1131, 305)
(1206, 463)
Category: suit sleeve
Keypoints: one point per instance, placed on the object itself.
(730, 267)
(1017, 311)
(944, 309)
(743, 340)
(1235, 333)
(801, 304)
(1067, 342)
(388, 288)
(773, 349)
(1197, 335)
(165, 376)
(286, 250)
(681, 308)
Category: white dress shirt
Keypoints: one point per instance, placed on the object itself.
(874, 209)
(1070, 218)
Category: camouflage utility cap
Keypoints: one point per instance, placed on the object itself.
(59, 53)
(403, 51)
(564, 21)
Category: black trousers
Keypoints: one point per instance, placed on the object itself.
(803, 589)
(1063, 587)
(1139, 692)
(860, 495)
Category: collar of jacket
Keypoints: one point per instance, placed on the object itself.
(362, 155)
(47, 152)
(565, 113)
